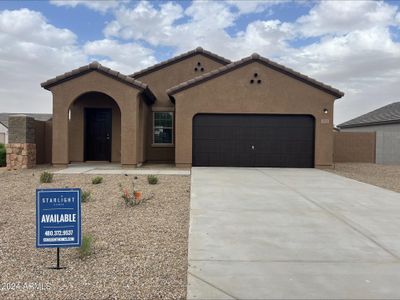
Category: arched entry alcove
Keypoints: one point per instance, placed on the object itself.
(94, 128)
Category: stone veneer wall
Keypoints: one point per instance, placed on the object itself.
(21, 147)
(21, 156)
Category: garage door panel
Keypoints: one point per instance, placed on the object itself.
(253, 140)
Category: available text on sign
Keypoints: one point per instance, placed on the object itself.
(58, 218)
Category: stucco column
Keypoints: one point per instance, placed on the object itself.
(60, 134)
(129, 121)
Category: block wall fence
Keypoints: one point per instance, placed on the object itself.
(29, 142)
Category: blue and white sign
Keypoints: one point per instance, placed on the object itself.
(58, 218)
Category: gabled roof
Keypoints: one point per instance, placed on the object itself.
(181, 57)
(93, 66)
(254, 57)
(383, 115)
(40, 117)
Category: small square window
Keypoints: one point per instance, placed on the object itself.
(163, 123)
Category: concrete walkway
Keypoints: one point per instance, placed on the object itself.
(109, 168)
(291, 234)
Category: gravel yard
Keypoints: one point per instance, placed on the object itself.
(386, 176)
(140, 252)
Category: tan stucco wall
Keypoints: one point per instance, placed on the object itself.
(161, 80)
(127, 98)
(77, 125)
(354, 147)
(233, 93)
(43, 141)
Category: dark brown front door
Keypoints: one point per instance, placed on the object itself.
(248, 140)
(98, 134)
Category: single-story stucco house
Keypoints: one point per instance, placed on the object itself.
(385, 122)
(195, 109)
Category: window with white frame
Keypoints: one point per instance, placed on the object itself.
(163, 123)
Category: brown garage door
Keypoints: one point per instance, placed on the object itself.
(240, 140)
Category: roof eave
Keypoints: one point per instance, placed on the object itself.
(94, 66)
(247, 60)
(179, 58)
(6, 126)
(368, 124)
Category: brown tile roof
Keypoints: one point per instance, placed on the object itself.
(180, 57)
(94, 66)
(254, 57)
(384, 115)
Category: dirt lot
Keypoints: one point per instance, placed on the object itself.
(139, 252)
(385, 176)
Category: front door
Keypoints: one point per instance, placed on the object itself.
(98, 134)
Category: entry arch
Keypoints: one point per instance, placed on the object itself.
(94, 128)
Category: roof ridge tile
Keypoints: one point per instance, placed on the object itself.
(95, 66)
(253, 57)
(199, 50)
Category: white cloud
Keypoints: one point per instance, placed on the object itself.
(125, 58)
(145, 22)
(356, 53)
(254, 6)
(203, 23)
(29, 57)
(16, 24)
(270, 38)
(100, 5)
(339, 17)
(32, 51)
(352, 47)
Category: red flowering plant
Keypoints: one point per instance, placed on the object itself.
(131, 198)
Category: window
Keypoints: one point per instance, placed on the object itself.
(163, 127)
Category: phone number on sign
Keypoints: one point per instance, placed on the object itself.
(58, 232)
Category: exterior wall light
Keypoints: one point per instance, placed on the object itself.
(325, 110)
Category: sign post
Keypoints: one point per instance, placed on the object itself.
(58, 219)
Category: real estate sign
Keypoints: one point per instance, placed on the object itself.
(58, 218)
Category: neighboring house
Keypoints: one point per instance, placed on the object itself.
(3, 133)
(385, 122)
(4, 123)
(195, 109)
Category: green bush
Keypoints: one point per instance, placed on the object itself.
(46, 177)
(2, 155)
(97, 180)
(86, 248)
(152, 179)
(86, 196)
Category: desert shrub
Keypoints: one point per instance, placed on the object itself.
(134, 197)
(86, 248)
(152, 179)
(97, 180)
(86, 196)
(46, 177)
(2, 155)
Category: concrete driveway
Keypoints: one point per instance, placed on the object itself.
(263, 233)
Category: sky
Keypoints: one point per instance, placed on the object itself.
(351, 45)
